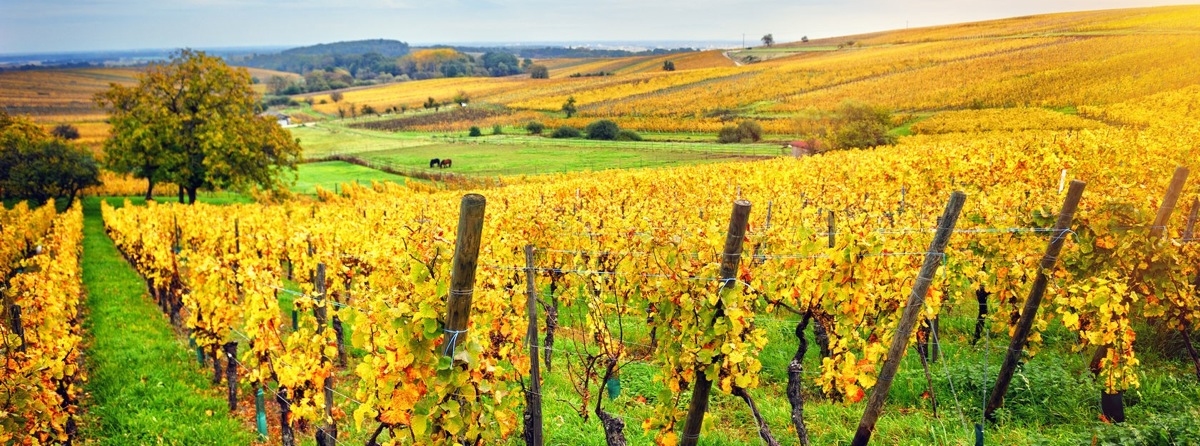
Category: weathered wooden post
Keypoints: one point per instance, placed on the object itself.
(1029, 313)
(462, 276)
(730, 258)
(533, 397)
(14, 318)
(327, 432)
(908, 318)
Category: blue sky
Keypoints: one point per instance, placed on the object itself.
(86, 25)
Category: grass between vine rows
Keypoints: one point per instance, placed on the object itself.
(143, 386)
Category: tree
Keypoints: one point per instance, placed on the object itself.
(475, 131)
(192, 121)
(43, 168)
(539, 71)
(367, 109)
(569, 106)
(501, 64)
(65, 131)
(526, 63)
(668, 66)
(461, 98)
(804, 39)
(768, 39)
(535, 128)
(335, 96)
(276, 84)
(860, 125)
(602, 130)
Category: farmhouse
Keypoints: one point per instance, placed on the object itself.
(282, 119)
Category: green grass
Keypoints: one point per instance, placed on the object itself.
(144, 386)
(514, 152)
(906, 128)
(330, 174)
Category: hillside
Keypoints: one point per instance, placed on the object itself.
(377, 55)
(1058, 60)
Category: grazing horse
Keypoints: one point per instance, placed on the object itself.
(446, 163)
(435, 163)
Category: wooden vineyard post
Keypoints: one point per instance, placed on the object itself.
(1113, 406)
(327, 432)
(1189, 233)
(533, 397)
(14, 318)
(831, 222)
(908, 318)
(462, 276)
(1186, 329)
(1029, 312)
(730, 258)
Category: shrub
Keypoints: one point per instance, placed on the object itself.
(728, 134)
(745, 131)
(475, 131)
(566, 131)
(496, 130)
(535, 128)
(603, 130)
(750, 131)
(861, 125)
(65, 131)
(539, 72)
(628, 135)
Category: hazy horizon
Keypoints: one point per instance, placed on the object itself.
(29, 26)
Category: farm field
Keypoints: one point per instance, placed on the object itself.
(329, 175)
(364, 309)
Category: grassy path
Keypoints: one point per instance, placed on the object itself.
(144, 385)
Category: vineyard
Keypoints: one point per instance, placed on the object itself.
(42, 335)
(345, 312)
(1022, 267)
(1005, 64)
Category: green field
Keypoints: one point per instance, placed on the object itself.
(511, 154)
(330, 174)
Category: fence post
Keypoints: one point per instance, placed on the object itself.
(1029, 313)
(908, 318)
(832, 228)
(730, 258)
(533, 398)
(462, 276)
(14, 318)
(327, 432)
(1189, 233)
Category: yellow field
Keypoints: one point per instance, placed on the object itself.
(1088, 60)
(1077, 59)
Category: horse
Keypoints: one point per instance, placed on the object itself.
(446, 163)
(435, 163)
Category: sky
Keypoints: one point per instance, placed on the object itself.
(36, 26)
